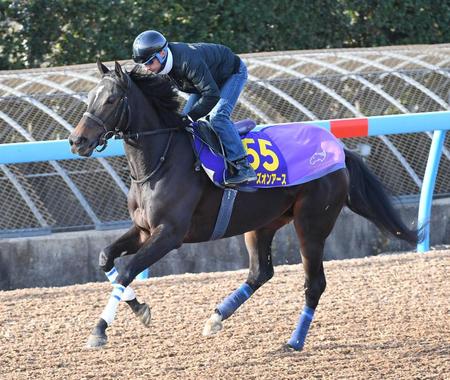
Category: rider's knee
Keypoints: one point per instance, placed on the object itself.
(219, 117)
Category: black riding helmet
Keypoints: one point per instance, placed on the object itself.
(147, 45)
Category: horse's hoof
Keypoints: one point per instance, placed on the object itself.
(144, 314)
(213, 325)
(96, 341)
(288, 348)
(285, 350)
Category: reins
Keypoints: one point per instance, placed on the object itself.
(161, 160)
(134, 136)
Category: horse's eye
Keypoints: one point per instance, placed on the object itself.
(111, 99)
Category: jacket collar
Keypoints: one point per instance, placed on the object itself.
(169, 63)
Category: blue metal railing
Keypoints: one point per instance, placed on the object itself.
(438, 122)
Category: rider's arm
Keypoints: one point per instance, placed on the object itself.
(200, 76)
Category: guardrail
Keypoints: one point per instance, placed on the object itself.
(438, 122)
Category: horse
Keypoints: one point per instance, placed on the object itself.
(171, 203)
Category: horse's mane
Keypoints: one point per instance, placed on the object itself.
(160, 92)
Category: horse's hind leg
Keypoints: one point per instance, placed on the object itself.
(315, 214)
(258, 244)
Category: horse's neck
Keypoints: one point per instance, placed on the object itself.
(144, 153)
(167, 155)
(144, 116)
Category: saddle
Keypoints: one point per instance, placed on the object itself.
(209, 136)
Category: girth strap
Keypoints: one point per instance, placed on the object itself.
(226, 208)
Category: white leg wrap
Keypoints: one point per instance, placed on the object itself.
(109, 312)
(112, 275)
(129, 293)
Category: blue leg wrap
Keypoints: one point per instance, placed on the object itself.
(299, 335)
(234, 300)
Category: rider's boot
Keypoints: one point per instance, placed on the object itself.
(242, 173)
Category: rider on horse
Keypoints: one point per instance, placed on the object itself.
(214, 76)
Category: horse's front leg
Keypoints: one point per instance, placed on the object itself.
(163, 239)
(127, 244)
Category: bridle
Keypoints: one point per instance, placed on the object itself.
(123, 110)
(118, 132)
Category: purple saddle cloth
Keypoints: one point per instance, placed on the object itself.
(281, 155)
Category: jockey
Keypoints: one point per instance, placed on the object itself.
(214, 76)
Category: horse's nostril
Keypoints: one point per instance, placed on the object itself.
(76, 140)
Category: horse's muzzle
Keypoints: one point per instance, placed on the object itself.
(80, 145)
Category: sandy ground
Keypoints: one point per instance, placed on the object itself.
(385, 317)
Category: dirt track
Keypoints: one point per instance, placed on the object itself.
(383, 317)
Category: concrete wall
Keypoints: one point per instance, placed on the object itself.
(69, 258)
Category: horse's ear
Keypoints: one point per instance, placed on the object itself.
(102, 68)
(119, 71)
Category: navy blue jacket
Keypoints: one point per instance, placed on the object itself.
(202, 68)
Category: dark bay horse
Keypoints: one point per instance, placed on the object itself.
(170, 203)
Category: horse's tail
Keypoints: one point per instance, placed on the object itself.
(369, 198)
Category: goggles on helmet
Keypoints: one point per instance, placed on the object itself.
(158, 56)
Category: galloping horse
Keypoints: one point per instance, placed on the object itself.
(170, 203)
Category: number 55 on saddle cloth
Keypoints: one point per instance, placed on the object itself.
(281, 155)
